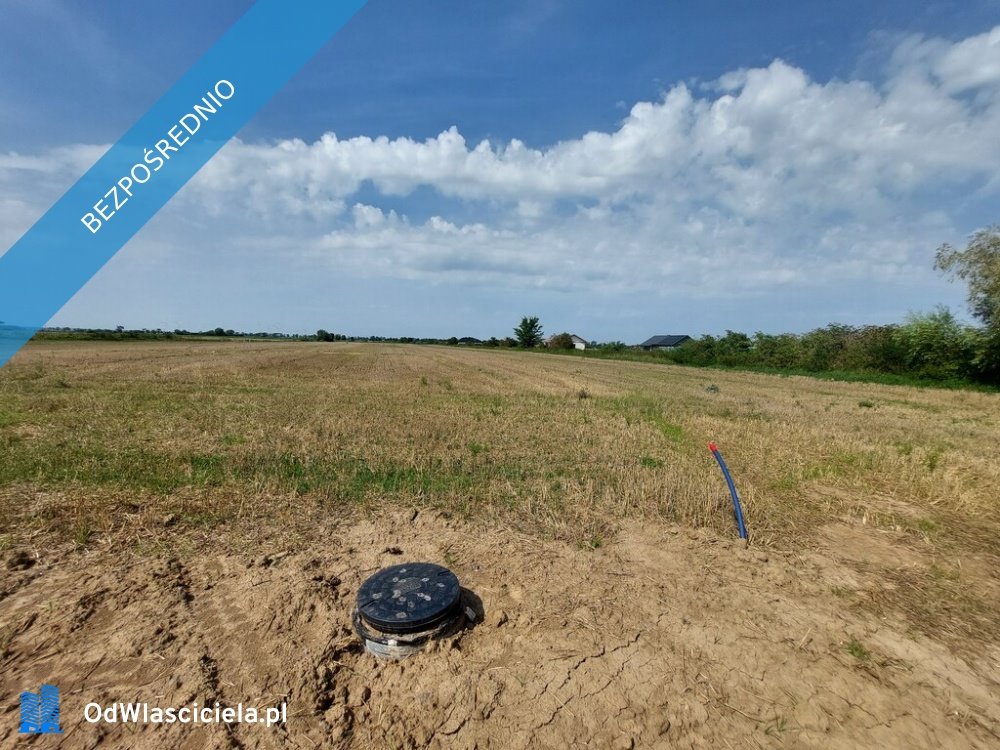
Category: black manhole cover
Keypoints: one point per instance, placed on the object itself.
(409, 598)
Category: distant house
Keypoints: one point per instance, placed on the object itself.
(663, 342)
(578, 343)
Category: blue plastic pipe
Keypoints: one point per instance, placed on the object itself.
(732, 490)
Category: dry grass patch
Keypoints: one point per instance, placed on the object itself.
(107, 440)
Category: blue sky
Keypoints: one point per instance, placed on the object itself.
(665, 168)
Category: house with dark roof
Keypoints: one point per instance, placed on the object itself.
(663, 342)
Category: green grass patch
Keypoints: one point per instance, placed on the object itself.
(786, 482)
(856, 649)
(841, 463)
(932, 459)
(640, 409)
(937, 573)
(82, 534)
(337, 477)
(9, 418)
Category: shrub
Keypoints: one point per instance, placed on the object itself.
(561, 341)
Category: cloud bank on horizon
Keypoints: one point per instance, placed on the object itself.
(758, 180)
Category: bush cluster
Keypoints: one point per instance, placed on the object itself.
(931, 346)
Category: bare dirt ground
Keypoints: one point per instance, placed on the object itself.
(665, 638)
(864, 621)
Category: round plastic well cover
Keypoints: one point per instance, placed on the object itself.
(408, 598)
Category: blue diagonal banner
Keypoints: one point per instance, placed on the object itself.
(156, 157)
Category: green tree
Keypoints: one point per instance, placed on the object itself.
(822, 348)
(322, 335)
(986, 357)
(935, 345)
(613, 346)
(734, 348)
(979, 267)
(528, 333)
(781, 350)
(561, 341)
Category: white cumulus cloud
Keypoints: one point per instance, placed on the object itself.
(763, 178)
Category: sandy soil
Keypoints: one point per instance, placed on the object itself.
(664, 637)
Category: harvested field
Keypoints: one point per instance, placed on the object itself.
(189, 522)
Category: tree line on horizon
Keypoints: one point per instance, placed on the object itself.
(933, 346)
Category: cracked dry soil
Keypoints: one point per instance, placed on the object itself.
(664, 638)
